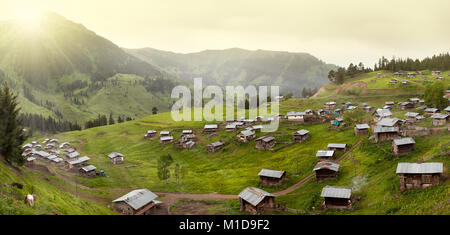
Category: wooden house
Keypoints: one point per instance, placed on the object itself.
(431, 111)
(329, 106)
(164, 133)
(188, 137)
(411, 74)
(50, 146)
(383, 113)
(186, 132)
(389, 103)
(337, 147)
(57, 161)
(405, 82)
(389, 122)
(209, 128)
(213, 147)
(230, 127)
(338, 112)
(326, 170)
(337, 122)
(406, 105)
(336, 197)
(29, 161)
(80, 162)
(385, 133)
(265, 142)
(256, 201)
(435, 73)
(393, 81)
(271, 177)
(88, 171)
(447, 110)
(295, 116)
(72, 155)
(419, 175)
(64, 145)
(403, 146)
(322, 112)
(150, 134)
(116, 158)
(361, 129)
(411, 116)
(188, 145)
(136, 202)
(239, 125)
(301, 136)
(325, 154)
(166, 139)
(368, 109)
(440, 119)
(246, 136)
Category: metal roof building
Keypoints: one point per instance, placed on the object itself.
(114, 155)
(388, 122)
(254, 195)
(137, 198)
(362, 126)
(339, 146)
(419, 168)
(271, 173)
(326, 165)
(325, 153)
(88, 168)
(404, 141)
(380, 129)
(336, 192)
(302, 132)
(210, 126)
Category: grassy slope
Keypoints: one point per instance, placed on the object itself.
(236, 166)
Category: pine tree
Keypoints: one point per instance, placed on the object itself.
(12, 134)
(111, 119)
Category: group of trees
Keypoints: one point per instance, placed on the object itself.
(47, 124)
(308, 92)
(102, 120)
(341, 74)
(164, 174)
(434, 95)
(12, 134)
(436, 62)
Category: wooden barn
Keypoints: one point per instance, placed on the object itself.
(256, 201)
(186, 132)
(383, 113)
(447, 110)
(329, 106)
(389, 104)
(209, 128)
(419, 175)
(325, 154)
(406, 105)
(166, 139)
(301, 136)
(337, 147)
(88, 171)
(296, 116)
(246, 136)
(338, 112)
(431, 111)
(64, 145)
(188, 137)
(230, 127)
(164, 133)
(440, 119)
(368, 109)
(403, 146)
(136, 202)
(188, 145)
(150, 134)
(116, 158)
(389, 122)
(326, 170)
(361, 129)
(336, 197)
(80, 162)
(29, 161)
(265, 142)
(72, 155)
(411, 116)
(271, 177)
(213, 147)
(385, 133)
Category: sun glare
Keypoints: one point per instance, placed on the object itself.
(29, 18)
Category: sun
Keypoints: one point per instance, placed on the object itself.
(29, 18)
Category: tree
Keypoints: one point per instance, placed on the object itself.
(111, 119)
(434, 95)
(163, 166)
(12, 134)
(177, 173)
(154, 110)
(355, 116)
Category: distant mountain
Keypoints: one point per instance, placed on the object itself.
(62, 69)
(291, 71)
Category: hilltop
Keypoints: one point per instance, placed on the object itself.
(367, 167)
(235, 66)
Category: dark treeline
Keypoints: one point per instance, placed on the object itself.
(47, 124)
(102, 120)
(436, 62)
(308, 92)
(341, 74)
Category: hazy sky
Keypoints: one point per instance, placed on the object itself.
(335, 31)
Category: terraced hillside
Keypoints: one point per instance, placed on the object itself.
(214, 179)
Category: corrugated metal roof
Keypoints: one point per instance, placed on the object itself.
(380, 129)
(254, 195)
(431, 110)
(271, 173)
(31, 159)
(324, 153)
(137, 198)
(210, 126)
(362, 126)
(114, 155)
(79, 160)
(293, 113)
(266, 138)
(151, 132)
(447, 109)
(411, 114)
(326, 165)
(247, 133)
(257, 127)
(58, 159)
(389, 103)
(387, 122)
(384, 112)
(163, 138)
(89, 168)
(164, 132)
(187, 131)
(73, 154)
(419, 168)
(215, 144)
(330, 103)
(230, 126)
(334, 145)
(439, 116)
(302, 132)
(336, 192)
(403, 141)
